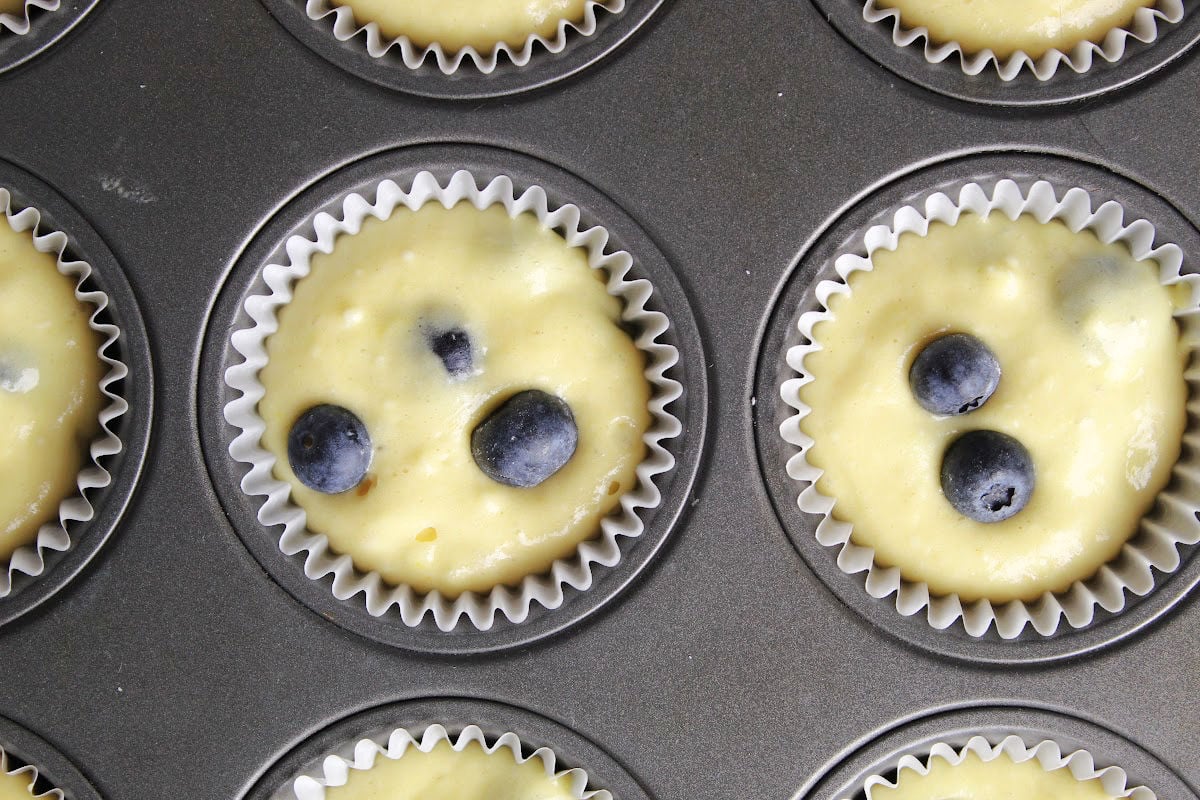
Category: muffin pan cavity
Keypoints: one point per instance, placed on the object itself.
(503, 618)
(110, 474)
(1096, 612)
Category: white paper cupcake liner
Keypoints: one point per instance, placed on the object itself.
(76, 508)
(30, 772)
(1144, 28)
(346, 27)
(335, 768)
(480, 609)
(1049, 754)
(1170, 523)
(20, 23)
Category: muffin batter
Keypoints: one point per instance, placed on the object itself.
(457, 24)
(16, 787)
(1092, 385)
(444, 774)
(16, 7)
(539, 317)
(998, 779)
(1006, 26)
(49, 388)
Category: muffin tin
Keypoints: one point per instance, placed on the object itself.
(727, 146)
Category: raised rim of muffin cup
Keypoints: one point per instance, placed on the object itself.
(392, 743)
(346, 28)
(1144, 27)
(366, 589)
(54, 536)
(1049, 754)
(1172, 521)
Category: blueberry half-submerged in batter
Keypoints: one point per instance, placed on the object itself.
(954, 374)
(453, 347)
(987, 476)
(329, 449)
(528, 438)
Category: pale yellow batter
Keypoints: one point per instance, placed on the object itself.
(49, 388)
(12, 7)
(16, 787)
(456, 24)
(540, 318)
(998, 779)
(1006, 26)
(444, 774)
(1092, 384)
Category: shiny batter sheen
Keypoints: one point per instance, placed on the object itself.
(49, 388)
(540, 318)
(1006, 26)
(1091, 383)
(444, 774)
(456, 24)
(16, 787)
(998, 779)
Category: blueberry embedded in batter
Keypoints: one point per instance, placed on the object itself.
(329, 449)
(954, 374)
(987, 476)
(526, 440)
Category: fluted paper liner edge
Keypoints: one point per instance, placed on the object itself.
(1049, 754)
(360, 755)
(345, 28)
(1143, 27)
(30, 771)
(20, 23)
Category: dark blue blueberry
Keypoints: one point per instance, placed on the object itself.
(526, 440)
(953, 375)
(453, 347)
(329, 449)
(987, 476)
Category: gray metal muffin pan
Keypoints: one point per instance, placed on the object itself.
(731, 134)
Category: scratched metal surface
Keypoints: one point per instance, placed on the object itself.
(173, 666)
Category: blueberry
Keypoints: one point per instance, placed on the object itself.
(453, 347)
(987, 476)
(329, 449)
(526, 440)
(954, 375)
